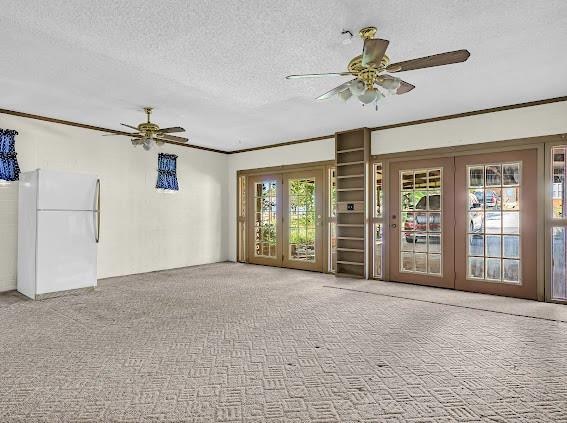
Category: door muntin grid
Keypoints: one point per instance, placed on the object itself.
(302, 218)
(378, 226)
(265, 219)
(332, 228)
(558, 228)
(421, 230)
(493, 215)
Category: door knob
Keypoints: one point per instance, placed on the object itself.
(393, 225)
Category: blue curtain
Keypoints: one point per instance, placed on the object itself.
(167, 172)
(9, 169)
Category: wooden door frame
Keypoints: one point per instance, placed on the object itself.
(277, 261)
(541, 143)
(528, 209)
(549, 221)
(319, 176)
(324, 165)
(446, 279)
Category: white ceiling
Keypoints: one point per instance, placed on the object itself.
(217, 67)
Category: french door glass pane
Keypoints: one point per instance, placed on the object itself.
(558, 263)
(378, 245)
(379, 190)
(421, 221)
(559, 166)
(559, 233)
(265, 198)
(302, 219)
(332, 219)
(493, 222)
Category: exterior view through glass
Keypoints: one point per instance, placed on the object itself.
(265, 204)
(302, 219)
(421, 201)
(559, 228)
(493, 222)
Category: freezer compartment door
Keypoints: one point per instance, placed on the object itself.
(66, 190)
(66, 251)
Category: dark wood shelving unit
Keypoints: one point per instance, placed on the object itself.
(352, 155)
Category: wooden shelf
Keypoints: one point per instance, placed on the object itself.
(354, 263)
(352, 149)
(351, 176)
(350, 163)
(349, 150)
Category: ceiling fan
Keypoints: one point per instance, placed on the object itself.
(371, 67)
(149, 132)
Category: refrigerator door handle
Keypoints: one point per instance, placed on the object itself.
(97, 211)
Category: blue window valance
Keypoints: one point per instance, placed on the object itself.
(167, 172)
(9, 169)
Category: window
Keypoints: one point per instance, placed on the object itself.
(378, 220)
(241, 218)
(559, 225)
(421, 203)
(493, 222)
(332, 236)
(167, 172)
(9, 169)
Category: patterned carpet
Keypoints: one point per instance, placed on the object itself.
(242, 343)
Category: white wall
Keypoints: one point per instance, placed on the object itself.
(546, 119)
(141, 229)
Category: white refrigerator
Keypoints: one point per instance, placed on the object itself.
(58, 231)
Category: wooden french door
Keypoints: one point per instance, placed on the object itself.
(264, 219)
(496, 223)
(285, 223)
(303, 220)
(468, 222)
(422, 222)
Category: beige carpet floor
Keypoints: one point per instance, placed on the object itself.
(242, 343)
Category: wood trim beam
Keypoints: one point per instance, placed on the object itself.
(299, 141)
(417, 122)
(97, 128)
(283, 144)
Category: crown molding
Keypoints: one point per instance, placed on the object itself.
(299, 141)
(97, 128)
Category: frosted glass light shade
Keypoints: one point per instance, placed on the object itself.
(369, 96)
(357, 87)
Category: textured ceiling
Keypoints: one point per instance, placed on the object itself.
(217, 67)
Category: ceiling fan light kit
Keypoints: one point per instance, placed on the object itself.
(371, 81)
(149, 133)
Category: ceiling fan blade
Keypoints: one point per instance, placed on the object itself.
(373, 51)
(405, 87)
(317, 75)
(124, 134)
(448, 58)
(335, 90)
(171, 130)
(171, 138)
(130, 126)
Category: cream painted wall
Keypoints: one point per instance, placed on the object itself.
(546, 119)
(141, 229)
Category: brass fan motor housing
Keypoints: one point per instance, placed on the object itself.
(148, 128)
(367, 32)
(368, 74)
